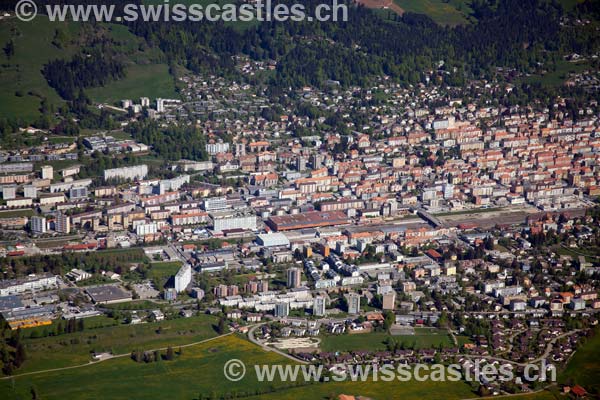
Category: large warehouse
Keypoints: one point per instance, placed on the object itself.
(273, 240)
(310, 219)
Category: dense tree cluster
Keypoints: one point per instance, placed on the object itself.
(83, 71)
(510, 33)
(60, 264)
(172, 143)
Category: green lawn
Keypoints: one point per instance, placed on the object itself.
(73, 349)
(150, 80)
(89, 323)
(423, 338)
(139, 253)
(412, 390)
(451, 12)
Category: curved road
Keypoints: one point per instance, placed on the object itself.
(267, 348)
(549, 348)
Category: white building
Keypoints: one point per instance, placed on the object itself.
(215, 203)
(62, 223)
(47, 172)
(127, 173)
(282, 309)
(9, 192)
(217, 148)
(353, 300)
(32, 282)
(293, 278)
(169, 185)
(78, 275)
(224, 221)
(319, 306)
(30, 191)
(183, 278)
(38, 224)
(146, 229)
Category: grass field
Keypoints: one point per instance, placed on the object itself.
(423, 338)
(452, 12)
(75, 348)
(90, 323)
(163, 270)
(584, 367)
(151, 80)
(22, 85)
(22, 72)
(160, 273)
(198, 372)
(411, 390)
(558, 77)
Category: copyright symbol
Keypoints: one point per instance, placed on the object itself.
(234, 370)
(26, 10)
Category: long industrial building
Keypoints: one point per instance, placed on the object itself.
(312, 219)
(127, 173)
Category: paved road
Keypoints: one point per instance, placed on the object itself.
(267, 348)
(549, 348)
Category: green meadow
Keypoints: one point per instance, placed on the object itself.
(148, 80)
(24, 86)
(76, 348)
(451, 12)
(198, 373)
(584, 367)
(423, 338)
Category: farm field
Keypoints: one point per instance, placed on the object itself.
(584, 367)
(76, 348)
(198, 374)
(151, 80)
(423, 338)
(411, 390)
(198, 371)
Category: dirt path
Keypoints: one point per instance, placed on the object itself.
(112, 357)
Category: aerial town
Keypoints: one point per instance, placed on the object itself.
(402, 203)
(432, 212)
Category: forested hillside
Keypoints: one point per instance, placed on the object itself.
(524, 35)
